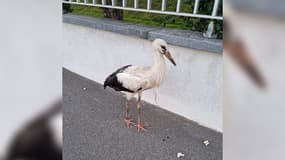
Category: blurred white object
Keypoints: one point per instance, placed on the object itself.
(30, 61)
(264, 7)
(252, 118)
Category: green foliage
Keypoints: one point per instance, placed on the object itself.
(66, 8)
(179, 22)
(202, 24)
(163, 20)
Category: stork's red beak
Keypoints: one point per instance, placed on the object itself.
(169, 57)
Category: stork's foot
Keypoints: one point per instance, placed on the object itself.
(141, 126)
(129, 122)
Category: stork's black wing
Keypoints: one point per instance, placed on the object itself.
(112, 80)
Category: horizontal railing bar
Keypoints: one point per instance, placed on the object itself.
(149, 11)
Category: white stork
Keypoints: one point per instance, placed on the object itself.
(133, 80)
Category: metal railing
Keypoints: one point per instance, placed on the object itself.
(148, 9)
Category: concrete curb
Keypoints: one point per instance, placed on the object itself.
(182, 38)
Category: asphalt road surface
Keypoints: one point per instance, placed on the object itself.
(94, 129)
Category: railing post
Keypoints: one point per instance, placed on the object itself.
(196, 6)
(210, 33)
(103, 2)
(136, 4)
(149, 4)
(163, 5)
(114, 2)
(124, 3)
(215, 8)
(178, 6)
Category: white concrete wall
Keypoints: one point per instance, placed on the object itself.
(192, 89)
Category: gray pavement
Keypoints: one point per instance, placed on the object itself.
(94, 128)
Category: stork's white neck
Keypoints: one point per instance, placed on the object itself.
(158, 69)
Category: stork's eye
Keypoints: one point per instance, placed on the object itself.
(163, 47)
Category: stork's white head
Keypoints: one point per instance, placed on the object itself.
(161, 47)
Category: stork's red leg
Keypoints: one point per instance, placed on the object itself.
(140, 126)
(127, 120)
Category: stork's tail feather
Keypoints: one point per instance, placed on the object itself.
(107, 81)
(105, 84)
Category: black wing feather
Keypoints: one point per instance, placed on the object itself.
(112, 80)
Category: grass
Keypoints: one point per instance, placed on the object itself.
(158, 20)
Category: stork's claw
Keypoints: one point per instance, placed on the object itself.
(129, 122)
(141, 127)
